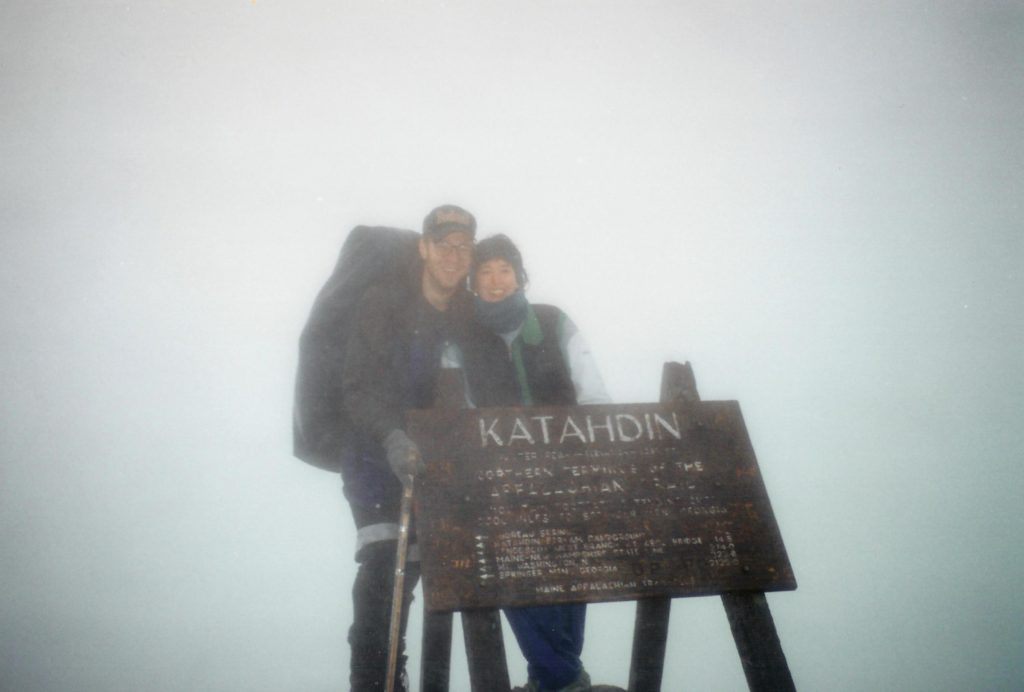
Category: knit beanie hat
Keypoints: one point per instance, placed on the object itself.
(498, 246)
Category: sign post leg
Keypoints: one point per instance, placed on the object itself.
(436, 660)
(485, 649)
(649, 637)
(652, 614)
(481, 629)
(758, 643)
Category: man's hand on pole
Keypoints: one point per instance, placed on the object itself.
(403, 457)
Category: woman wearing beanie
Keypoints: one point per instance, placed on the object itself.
(530, 355)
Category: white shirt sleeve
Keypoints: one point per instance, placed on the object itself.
(586, 378)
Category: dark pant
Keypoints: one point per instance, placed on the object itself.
(551, 639)
(371, 597)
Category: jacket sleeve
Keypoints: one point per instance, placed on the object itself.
(586, 378)
(372, 390)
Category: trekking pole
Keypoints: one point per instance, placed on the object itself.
(397, 596)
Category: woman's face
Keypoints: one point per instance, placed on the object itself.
(495, 280)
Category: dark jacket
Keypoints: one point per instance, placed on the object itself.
(391, 365)
(530, 372)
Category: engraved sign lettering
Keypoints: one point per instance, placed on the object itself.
(528, 506)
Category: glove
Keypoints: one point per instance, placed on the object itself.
(403, 456)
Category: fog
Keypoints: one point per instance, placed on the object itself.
(816, 204)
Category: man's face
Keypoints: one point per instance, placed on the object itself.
(446, 260)
(495, 280)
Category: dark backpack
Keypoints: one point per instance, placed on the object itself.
(369, 255)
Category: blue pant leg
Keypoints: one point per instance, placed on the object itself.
(551, 639)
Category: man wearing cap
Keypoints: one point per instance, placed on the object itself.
(402, 331)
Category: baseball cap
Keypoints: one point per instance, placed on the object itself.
(446, 219)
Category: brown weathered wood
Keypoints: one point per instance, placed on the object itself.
(543, 505)
(435, 663)
(757, 642)
(678, 384)
(753, 629)
(451, 389)
(485, 649)
(436, 657)
(650, 632)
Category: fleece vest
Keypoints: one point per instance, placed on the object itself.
(530, 372)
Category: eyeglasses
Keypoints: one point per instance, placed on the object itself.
(450, 249)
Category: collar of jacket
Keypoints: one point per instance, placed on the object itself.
(531, 332)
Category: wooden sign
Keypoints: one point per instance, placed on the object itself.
(540, 505)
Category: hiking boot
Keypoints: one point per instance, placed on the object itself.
(530, 686)
(580, 684)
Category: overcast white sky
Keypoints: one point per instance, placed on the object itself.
(816, 203)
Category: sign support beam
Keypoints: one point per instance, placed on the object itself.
(746, 607)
